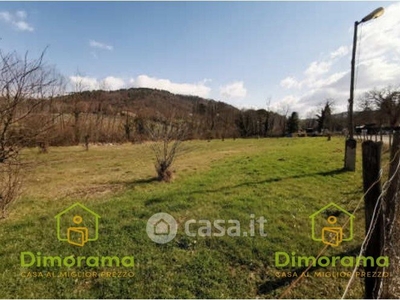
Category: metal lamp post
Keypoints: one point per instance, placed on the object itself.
(351, 143)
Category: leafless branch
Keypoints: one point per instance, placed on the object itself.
(166, 137)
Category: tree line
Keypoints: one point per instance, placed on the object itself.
(36, 110)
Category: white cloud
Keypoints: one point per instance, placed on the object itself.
(233, 90)
(17, 20)
(378, 65)
(23, 26)
(5, 16)
(381, 37)
(113, 83)
(290, 82)
(330, 80)
(287, 104)
(95, 44)
(317, 68)
(21, 14)
(83, 83)
(340, 52)
(197, 89)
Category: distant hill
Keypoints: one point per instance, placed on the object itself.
(122, 115)
(145, 101)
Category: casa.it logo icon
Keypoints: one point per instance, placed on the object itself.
(161, 228)
(328, 225)
(77, 225)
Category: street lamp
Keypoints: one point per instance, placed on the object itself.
(351, 143)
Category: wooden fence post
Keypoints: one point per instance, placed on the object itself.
(371, 159)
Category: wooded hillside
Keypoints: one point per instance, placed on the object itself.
(122, 116)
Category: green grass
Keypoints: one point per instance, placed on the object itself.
(284, 180)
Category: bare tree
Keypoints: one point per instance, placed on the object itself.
(26, 91)
(167, 137)
(270, 118)
(78, 87)
(386, 101)
(10, 183)
(283, 111)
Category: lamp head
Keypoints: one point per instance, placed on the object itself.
(373, 15)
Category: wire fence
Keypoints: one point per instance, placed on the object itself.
(390, 286)
(325, 248)
(389, 240)
(391, 289)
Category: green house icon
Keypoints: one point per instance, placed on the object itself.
(329, 230)
(77, 225)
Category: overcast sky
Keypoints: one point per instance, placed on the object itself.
(246, 54)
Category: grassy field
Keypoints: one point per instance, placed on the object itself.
(285, 180)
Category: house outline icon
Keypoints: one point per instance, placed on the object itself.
(312, 217)
(161, 231)
(58, 218)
